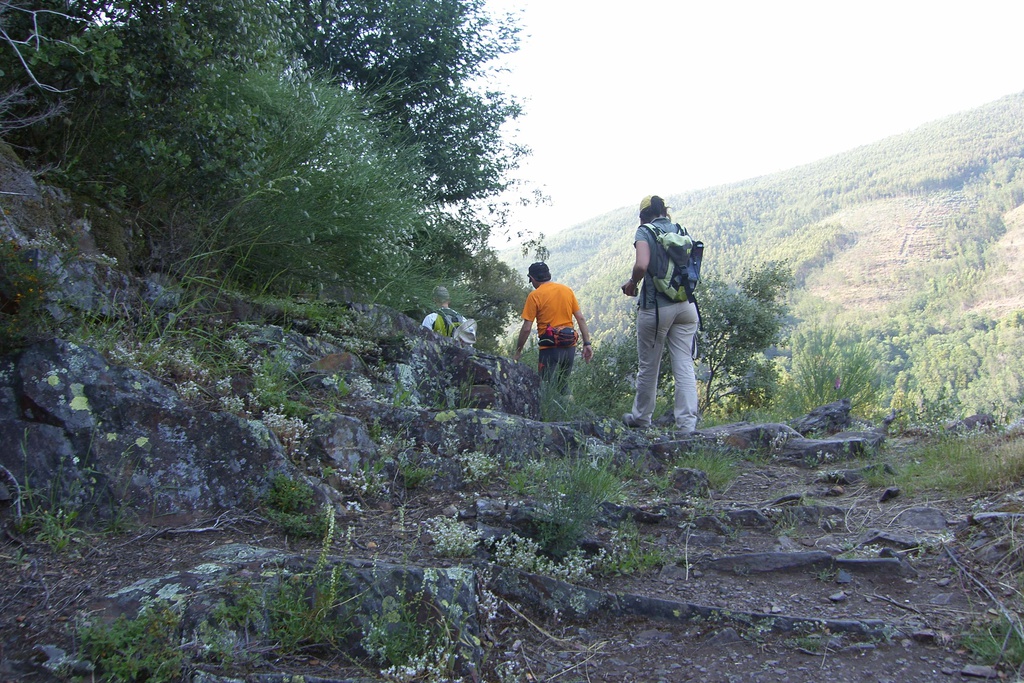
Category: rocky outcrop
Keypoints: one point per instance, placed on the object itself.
(99, 438)
(102, 437)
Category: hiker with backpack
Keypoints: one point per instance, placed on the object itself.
(667, 314)
(553, 305)
(449, 323)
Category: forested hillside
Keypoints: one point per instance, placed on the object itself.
(906, 249)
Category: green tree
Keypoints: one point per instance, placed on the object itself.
(741, 322)
(208, 123)
(428, 58)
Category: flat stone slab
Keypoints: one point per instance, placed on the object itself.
(755, 563)
(573, 601)
(840, 447)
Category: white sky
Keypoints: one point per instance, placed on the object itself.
(625, 99)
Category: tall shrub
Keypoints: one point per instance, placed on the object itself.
(827, 367)
(741, 322)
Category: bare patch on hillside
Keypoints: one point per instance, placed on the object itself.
(893, 237)
(1000, 293)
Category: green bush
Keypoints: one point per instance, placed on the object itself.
(827, 367)
(22, 295)
(291, 505)
(569, 493)
(135, 650)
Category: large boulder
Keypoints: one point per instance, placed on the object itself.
(95, 436)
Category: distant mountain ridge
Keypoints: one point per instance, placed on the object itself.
(866, 229)
(910, 247)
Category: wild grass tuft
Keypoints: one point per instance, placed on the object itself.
(569, 493)
(996, 642)
(719, 465)
(628, 553)
(291, 505)
(963, 464)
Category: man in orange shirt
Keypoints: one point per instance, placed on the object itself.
(553, 305)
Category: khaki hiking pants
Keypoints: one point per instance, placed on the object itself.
(674, 325)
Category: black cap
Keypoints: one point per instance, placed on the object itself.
(539, 271)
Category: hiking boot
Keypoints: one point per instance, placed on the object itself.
(666, 421)
(633, 423)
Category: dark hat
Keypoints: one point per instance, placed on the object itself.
(539, 271)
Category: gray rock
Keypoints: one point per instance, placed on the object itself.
(926, 518)
(888, 494)
(853, 476)
(342, 441)
(826, 419)
(99, 436)
(839, 447)
(888, 539)
(727, 636)
(979, 671)
(748, 518)
(769, 562)
(690, 481)
(747, 436)
(891, 566)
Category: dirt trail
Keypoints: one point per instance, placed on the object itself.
(853, 560)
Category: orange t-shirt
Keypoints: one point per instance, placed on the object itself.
(551, 304)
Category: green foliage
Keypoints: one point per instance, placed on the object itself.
(301, 218)
(274, 381)
(55, 527)
(526, 554)
(452, 538)
(237, 158)
(741, 323)
(411, 639)
(602, 387)
(996, 642)
(290, 504)
(413, 474)
(962, 366)
(827, 367)
(135, 650)
(23, 289)
(428, 58)
(569, 493)
(630, 553)
(719, 465)
(303, 612)
(962, 464)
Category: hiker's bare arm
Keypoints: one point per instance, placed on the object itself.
(643, 258)
(588, 351)
(524, 334)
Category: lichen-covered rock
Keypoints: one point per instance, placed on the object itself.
(101, 436)
(370, 596)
